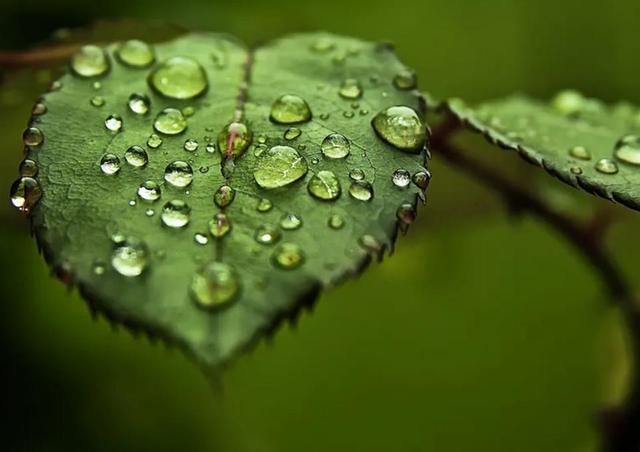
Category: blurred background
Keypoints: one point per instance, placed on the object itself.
(482, 333)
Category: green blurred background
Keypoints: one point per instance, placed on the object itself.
(481, 334)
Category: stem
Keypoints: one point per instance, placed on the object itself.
(43, 56)
(621, 428)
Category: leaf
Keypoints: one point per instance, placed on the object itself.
(579, 140)
(213, 293)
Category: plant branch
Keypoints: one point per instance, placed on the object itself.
(620, 428)
(43, 56)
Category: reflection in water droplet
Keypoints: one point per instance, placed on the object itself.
(279, 166)
(606, 166)
(290, 222)
(154, 141)
(401, 127)
(336, 146)
(264, 205)
(219, 226)
(149, 191)
(288, 256)
(580, 152)
(179, 78)
(110, 164)
(179, 174)
(361, 190)
(421, 179)
(336, 222)
(136, 156)
(356, 174)
(90, 61)
(139, 103)
(405, 80)
(28, 168)
(325, 186)
(267, 234)
(350, 89)
(135, 53)
(627, 149)
(176, 214)
(290, 109)
(224, 196)
(32, 137)
(170, 122)
(25, 194)
(113, 123)
(401, 178)
(235, 138)
(191, 145)
(215, 286)
(130, 257)
(292, 133)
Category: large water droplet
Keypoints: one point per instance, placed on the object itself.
(234, 138)
(290, 109)
(580, 152)
(32, 137)
(130, 257)
(606, 166)
(179, 78)
(288, 256)
(90, 61)
(336, 146)
(135, 53)
(267, 234)
(136, 157)
(361, 190)
(224, 196)
(350, 89)
(139, 103)
(401, 127)
(324, 185)
(149, 191)
(290, 221)
(405, 80)
(279, 166)
(179, 174)
(215, 286)
(25, 194)
(422, 179)
(170, 121)
(113, 123)
(176, 214)
(627, 150)
(401, 178)
(219, 226)
(110, 164)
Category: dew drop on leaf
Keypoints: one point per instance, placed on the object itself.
(149, 191)
(28, 168)
(235, 138)
(371, 244)
(421, 179)
(136, 157)
(264, 205)
(190, 145)
(130, 257)
(176, 214)
(90, 61)
(179, 78)
(279, 166)
(139, 103)
(288, 256)
(292, 133)
(356, 174)
(290, 109)
(336, 222)
(401, 127)
(135, 53)
(325, 186)
(350, 89)
(170, 121)
(97, 101)
(580, 153)
(336, 146)
(323, 45)
(32, 137)
(39, 109)
(627, 149)
(405, 80)
(215, 286)
(154, 141)
(361, 190)
(179, 174)
(267, 234)
(606, 166)
(224, 196)
(406, 214)
(113, 123)
(110, 164)
(25, 194)
(290, 221)
(200, 239)
(219, 226)
(401, 178)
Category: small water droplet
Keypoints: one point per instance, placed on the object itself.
(361, 190)
(267, 234)
(215, 286)
(422, 179)
(25, 194)
(179, 78)
(224, 196)
(56, 85)
(580, 152)
(39, 109)
(32, 137)
(264, 205)
(336, 222)
(188, 111)
(154, 141)
(576, 170)
(325, 116)
(136, 156)
(135, 53)
(139, 103)
(203, 169)
(371, 244)
(348, 114)
(90, 61)
(98, 268)
(170, 122)
(606, 166)
(290, 222)
(401, 178)
(262, 139)
(336, 146)
(130, 257)
(97, 85)
(405, 80)
(219, 226)
(200, 239)
(259, 149)
(110, 164)
(179, 174)
(288, 256)
(325, 186)
(97, 101)
(28, 168)
(292, 133)
(356, 174)
(113, 123)
(176, 214)
(279, 166)
(290, 109)
(235, 138)
(150, 212)
(132, 203)
(210, 148)
(406, 214)
(149, 191)
(191, 145)
(350, 89)
(627, 149)
(401, 127)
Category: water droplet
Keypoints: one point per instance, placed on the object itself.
(179, 78)
(405, 80)
(133, 203)
(28, 168)
(267, 234)
(264, 205)
(627, 149)
(32, 137)
(288, 256)
(224, 196)
(136, 156)
(179, 174)
(336, 146)
(200, 239)
(39, 109)
(262, 139)
(361, 190)
(191, 145)
(130, 257)
(290, 222)
(139, 103)
(90, 61)
(219, 226)
(323, 45)
(290, 109)
(406, 214)
(580, 152)
(356, 174)
(25, 194)
(110, 164)
(371, 244)
(350, 89)
(97, 85)
(292, 133)
(97, 101)
(568, 102)
(170, 122)
(401, 178)
(325, 116)
(56, 85)
(210, 148)
(606, 166)
(176, 214)
(259, 149)
(215, 286)
(150, 212)
(113, 123)
(188, 111)
(324, 185)
(149, 191)
(401, 127)
(421, 179)
(348, 114)
(576, 170)
(154, 141)
(336, 222)
(98, 268)
(235, 137)
(135, 53)
(279, 166)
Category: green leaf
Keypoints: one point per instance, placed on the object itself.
(581, 141)
(294, 221)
